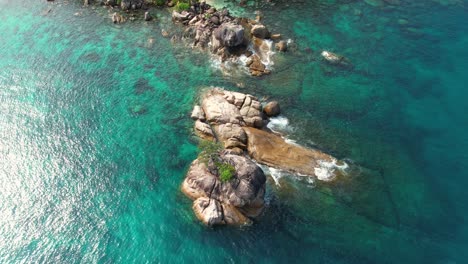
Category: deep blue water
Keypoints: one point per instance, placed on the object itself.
(95, 136)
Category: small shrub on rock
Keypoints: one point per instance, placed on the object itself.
(226, 171)
(181, 6)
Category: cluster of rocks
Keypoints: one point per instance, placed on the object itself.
(238, 121)
(125, 4)
(228, 36)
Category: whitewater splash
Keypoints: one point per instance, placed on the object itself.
(279, 124)
(236, 65)
(326, 170)
(266, 53)
(277, 174)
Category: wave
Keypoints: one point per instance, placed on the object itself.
(327, 170)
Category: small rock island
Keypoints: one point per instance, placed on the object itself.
(225, 182)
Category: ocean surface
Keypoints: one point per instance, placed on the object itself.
(95, 135)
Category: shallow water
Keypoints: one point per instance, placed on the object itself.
(95, 136)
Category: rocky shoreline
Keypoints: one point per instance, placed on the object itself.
(242, 41)
(238, 122)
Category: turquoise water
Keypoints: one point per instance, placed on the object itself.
(95, 136)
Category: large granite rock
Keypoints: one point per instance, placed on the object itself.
(222, 107)
(226, 202)
(272, 150)
(229, 35)
(234, 119)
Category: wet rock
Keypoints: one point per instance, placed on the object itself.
(148, 16)
(260, 31)
(256, 66)
(335, 59)
(272, 109)
(117, 18)
(272, 150)
(281, 46)
(275, 36)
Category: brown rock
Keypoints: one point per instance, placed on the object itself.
(272, 109)
(203, 130)
(272, 150)
(232, 135)
(281, 46)
(209, 211)
(232, 216)
(219, 111)
(260, 31)
(218, 202)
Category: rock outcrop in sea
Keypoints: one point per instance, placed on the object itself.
(230, 37)
(238, 122)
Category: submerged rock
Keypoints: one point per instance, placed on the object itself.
(334, 58)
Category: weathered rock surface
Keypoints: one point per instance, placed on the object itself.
(218, 202)
(236, 120)
(272, 150)
(197, 113)
(260, 31)
(272, 109)
(222, 107)
(203, 130)
(229, 35)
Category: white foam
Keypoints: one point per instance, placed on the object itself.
(267, 56)
(326, 169)
(279, 124)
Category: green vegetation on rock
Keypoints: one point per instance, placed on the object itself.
(182, 5)
(226, 171)
(210, 151)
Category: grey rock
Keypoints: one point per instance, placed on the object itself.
(229, 35)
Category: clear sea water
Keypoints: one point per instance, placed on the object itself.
(95, 136)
